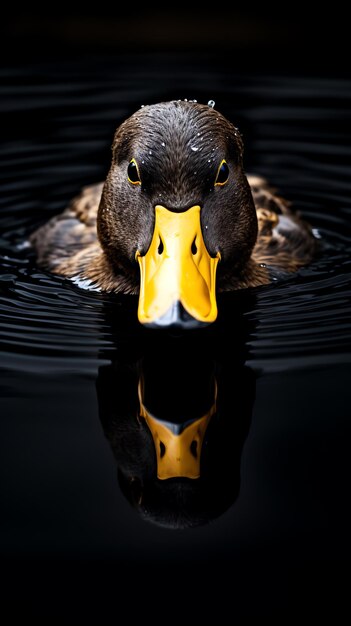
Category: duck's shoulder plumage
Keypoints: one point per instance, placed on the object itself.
(68, 245)
(69, 232)
(285, 242)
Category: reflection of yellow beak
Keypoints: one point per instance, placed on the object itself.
(177, 270)
(178, 446)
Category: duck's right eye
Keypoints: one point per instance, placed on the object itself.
(133, 173)
(222, 174)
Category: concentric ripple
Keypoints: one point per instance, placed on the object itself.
(57, 134)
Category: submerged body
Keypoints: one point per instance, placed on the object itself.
(177, 219)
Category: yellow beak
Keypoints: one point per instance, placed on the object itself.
(177, 274)
(178, 450)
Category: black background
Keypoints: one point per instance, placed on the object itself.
(289, 37)
(64, 563)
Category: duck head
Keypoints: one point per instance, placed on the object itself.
(175, 205)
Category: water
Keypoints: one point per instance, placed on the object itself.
(76, 545)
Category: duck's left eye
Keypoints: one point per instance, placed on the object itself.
(222, 173)
(133, 173)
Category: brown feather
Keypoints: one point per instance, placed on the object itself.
(85, 244)
(67, 245)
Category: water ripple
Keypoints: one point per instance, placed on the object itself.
(296, 135)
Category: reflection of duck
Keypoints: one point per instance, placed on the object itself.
(175, 202)
(177, 428)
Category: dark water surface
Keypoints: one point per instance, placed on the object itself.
(276, 457)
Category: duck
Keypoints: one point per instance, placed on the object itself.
(177, 220)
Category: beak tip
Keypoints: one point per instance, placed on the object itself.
(176, 317)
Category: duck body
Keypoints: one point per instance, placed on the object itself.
(176, 174)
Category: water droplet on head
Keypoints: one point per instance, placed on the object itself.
(194, 148)
(150, 151)
(316, 233)
(163, 143)
(142, 106)
(211, 104)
